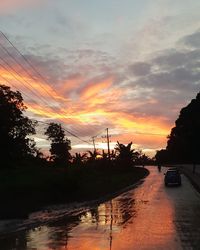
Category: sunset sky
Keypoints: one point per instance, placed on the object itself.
(129, 65)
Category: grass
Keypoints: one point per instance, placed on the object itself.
(28, 188)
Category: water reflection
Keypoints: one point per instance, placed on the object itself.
(95, 222)
(99, 226)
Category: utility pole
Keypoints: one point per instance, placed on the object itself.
(93, 141)
(108, 143)
(107, 136)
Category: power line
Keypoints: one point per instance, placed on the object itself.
(26, 86)
(6, 80)
(11, 67)
(21, 82)
(98, 134)
(69, 132)
(33, 68)
(27, 63)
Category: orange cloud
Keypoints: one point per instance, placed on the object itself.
(93, 88)
(99, 103)
(71, 84)
(146, 125)
(30, 86)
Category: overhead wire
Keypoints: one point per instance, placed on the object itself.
(33, 68)
(11, 84)
(69, 132)
(18, 62)
(22, 77)
(44, 80)
(20, 81)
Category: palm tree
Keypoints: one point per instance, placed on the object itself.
(93, 155)
(79, 158)
(125, 155)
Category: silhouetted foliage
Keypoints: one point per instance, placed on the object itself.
(184, 140)
(124, 154)
(60, 145)
(79, 159)
(14, 127)
(92, 158)
(162, 157)
(104, 155)
(142, 159)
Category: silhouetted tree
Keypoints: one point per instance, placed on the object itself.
(162, 157)
(60, 145)
(184, 140)
(125, 155)
(14, 126)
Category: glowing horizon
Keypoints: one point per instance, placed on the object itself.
(89, 115)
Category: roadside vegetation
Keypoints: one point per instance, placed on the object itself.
(30, 188)
(29, 180)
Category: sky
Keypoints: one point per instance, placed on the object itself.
(129, 66)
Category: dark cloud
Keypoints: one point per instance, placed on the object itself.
(167, 103)
(51, 68)
(165, 83)
(174, 70)
(178, 79)
(170, 59)
(140, 68)
(192, 40)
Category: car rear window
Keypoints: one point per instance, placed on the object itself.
(172, 173)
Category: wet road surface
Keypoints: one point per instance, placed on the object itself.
(150, 216)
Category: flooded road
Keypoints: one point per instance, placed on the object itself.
(150, 216)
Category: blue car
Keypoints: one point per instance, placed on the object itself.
(172, 177)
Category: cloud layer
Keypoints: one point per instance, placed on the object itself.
(134, 82)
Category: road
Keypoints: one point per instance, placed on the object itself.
(150, 216)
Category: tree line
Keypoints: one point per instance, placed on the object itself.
(16, 144)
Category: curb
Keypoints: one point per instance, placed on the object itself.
(191, 177)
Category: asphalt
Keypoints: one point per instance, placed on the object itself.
(193, 174)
